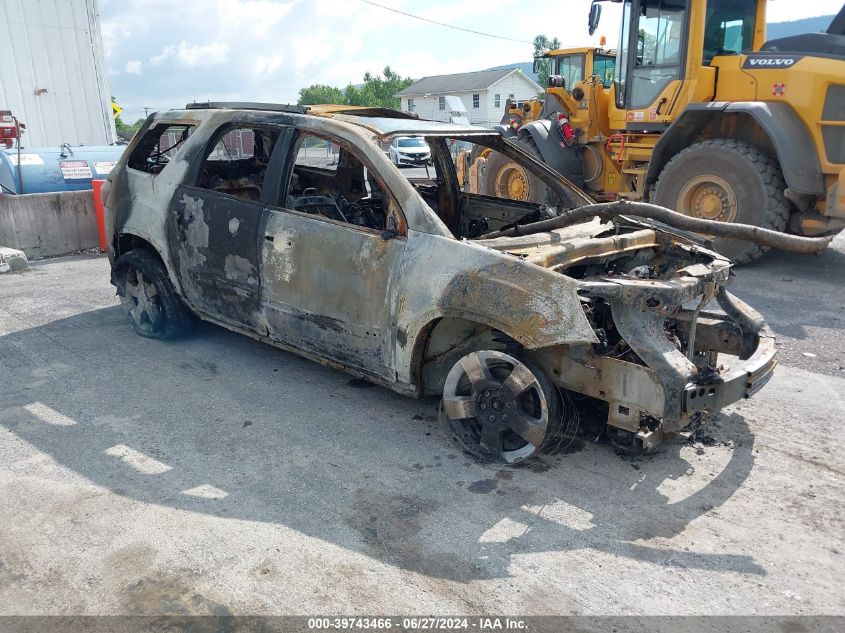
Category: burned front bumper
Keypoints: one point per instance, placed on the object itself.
(662, 385)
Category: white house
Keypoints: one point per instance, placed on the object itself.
(483, 94)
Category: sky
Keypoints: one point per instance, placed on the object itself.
(166, 53)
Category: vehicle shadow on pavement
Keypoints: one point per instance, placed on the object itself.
(223, 425)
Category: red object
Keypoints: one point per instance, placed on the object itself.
(565, 129)
(100, 212)
(8, 128)
(616, 138)
(779, 89)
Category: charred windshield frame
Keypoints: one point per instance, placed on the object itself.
(567, 193)
(562, 186)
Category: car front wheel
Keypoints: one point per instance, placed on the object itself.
(500, 407)
(151, 303)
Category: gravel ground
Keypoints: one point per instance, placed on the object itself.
(219, 475)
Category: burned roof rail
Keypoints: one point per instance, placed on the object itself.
(246, 105)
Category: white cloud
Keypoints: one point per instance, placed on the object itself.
(266, 65)
(259, 16)
(267, 50)
(208, 55)
(193, 56)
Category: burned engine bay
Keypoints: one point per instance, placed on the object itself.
(669, 336)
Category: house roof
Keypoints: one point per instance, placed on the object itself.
(459, 82)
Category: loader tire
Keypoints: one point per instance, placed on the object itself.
(503, 178)
(727, 180)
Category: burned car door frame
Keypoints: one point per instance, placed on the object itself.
(214, 233)
(328, 286)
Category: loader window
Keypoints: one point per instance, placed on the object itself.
(729, 28)
(603, 66)
(570, 67)
(621, 79)
(659, 40)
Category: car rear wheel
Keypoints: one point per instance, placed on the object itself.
(500, 407)
(151, 303)
(728, 181)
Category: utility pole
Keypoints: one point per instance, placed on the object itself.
(146, 111)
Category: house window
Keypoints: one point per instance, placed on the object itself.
(476, 101)
(441, 103)
(497, 100)
(410, 105)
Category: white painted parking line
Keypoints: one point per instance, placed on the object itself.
(206, 491)
(48, 414)
(137, 460)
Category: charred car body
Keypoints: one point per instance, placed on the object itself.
(291, 225)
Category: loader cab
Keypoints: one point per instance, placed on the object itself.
(652, 50)
(664, 42)
(574, 67)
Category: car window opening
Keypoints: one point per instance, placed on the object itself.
(158, 146)
(330, 181)
(237, 162)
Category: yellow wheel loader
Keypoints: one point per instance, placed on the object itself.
(695, 111)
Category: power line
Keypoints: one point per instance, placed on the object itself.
(448, 26)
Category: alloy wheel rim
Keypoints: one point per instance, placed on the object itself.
(496, 406)
(142, 300)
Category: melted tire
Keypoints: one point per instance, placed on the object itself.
(174, 319)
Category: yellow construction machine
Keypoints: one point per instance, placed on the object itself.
(695, 111)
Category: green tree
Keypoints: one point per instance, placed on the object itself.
(377, 91)
(124, 131)
(380, 90)
(646, 47)
(544, 66)
(321, 93)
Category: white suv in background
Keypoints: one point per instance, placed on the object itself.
(409, 150)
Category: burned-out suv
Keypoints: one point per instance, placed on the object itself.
(290, 224)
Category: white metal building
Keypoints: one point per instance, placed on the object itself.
(483, 94)
(52, 75)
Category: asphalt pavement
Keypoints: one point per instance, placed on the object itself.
(216, 474)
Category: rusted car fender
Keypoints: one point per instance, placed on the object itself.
(533, 305)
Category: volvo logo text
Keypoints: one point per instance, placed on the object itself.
(771, 62)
